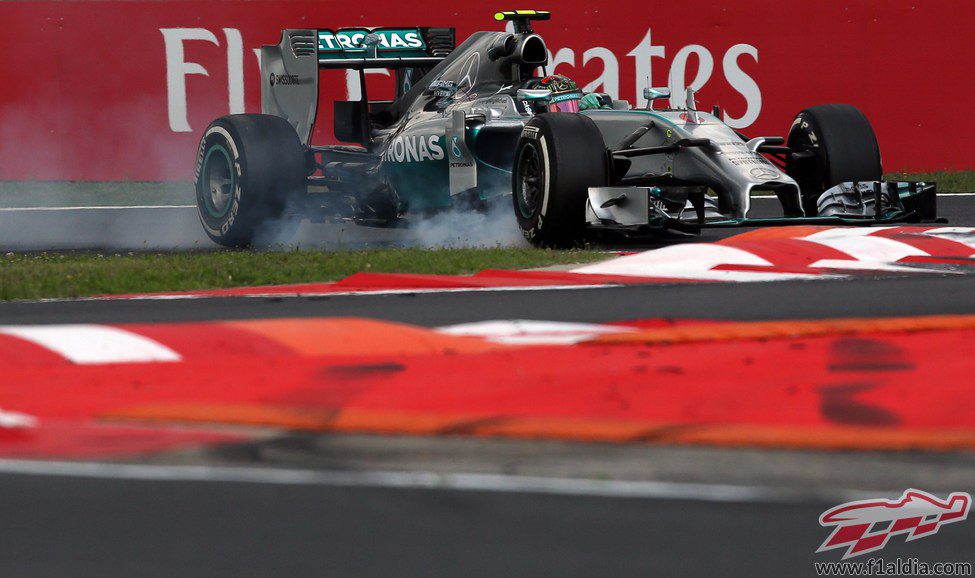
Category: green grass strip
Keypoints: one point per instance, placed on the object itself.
(948, 181)
(49, 275)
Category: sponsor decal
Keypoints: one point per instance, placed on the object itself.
(867, 525)
(530, 132)
(443, 92)
(566, 96)
(457, 153)
(455, 148)
(412, 148)
(350, 39)
(748, 159)
(763, 173)
(284, 79)
(442, 88)
(803, 124)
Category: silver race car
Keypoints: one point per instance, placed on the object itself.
(473, 123)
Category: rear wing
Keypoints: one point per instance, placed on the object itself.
(383, 47)
(289, 69)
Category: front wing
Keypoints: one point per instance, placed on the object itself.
(635, 210)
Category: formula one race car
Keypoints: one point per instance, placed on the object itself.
(470, 124)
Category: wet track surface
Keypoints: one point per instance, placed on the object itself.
(92, 526)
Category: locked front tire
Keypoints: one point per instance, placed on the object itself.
(557, 158)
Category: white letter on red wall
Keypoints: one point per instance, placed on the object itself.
(743, 84)
(643, 54)
(678, 71)
(235, 70)
(177, 69)
(609, 80)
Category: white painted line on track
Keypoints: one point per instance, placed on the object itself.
(93, 344)
(297, 294)
(95, 208)
(497, 483)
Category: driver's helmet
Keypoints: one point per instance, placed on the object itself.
(565, 93)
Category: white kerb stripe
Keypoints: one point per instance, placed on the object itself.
(861, 245)
(530, 332)
(963, 235)
(93, 344)
(16, 420)
(691, 261)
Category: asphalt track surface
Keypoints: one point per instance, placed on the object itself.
(111, 527)
(66, 525)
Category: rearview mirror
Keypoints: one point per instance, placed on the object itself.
(656, 93)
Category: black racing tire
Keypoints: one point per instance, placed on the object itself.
(844, 149)
(249, 168)
(557, 158)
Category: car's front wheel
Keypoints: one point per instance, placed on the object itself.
(831, 144)
(249, 168)
(557, 158)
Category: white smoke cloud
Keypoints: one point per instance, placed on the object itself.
(494, 227)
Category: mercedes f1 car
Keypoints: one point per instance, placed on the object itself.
(469, 124)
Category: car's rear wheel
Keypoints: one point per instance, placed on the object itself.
(557, 158)
(249, 170)
(831, 144)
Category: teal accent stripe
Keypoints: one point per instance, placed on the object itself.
(632, 111)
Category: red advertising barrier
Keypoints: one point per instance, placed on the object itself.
(107, 90)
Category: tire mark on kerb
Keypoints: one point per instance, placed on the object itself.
(838, 402)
